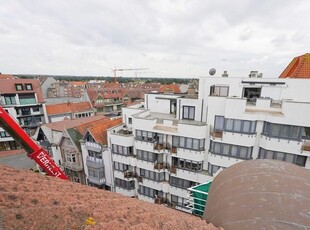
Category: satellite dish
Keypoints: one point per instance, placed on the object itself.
(212, 71)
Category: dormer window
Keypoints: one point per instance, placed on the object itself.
(19, 87)
(28, 86)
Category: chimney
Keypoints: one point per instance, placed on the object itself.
(191, 89)
(225, 74)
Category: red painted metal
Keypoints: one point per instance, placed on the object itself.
(35, 152)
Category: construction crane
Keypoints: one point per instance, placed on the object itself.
(120, 70)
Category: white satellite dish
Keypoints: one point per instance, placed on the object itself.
(212, 71)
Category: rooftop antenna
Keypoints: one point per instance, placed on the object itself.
(212, 71)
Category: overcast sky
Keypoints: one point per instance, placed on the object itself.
(181, 38)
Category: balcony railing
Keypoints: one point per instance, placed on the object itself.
(73, 166)
(94, 162)
(95, 180)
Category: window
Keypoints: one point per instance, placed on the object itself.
(10, 99)
(95, 173)
(252, 93)
(4, 134)
(228, 150)
(189, 112)
(146, 156)
(179, 201)
(36, 109)
(219, 124)
(120, 167)
(128, 185)
(129, 120)
(25, 99)
(146, 191)
(283, 131)
(152, 175)
(122, 150)
(19, 87)
(181, 183)
(145, 136)
(220, 91)
(188, 143)
(212, 169)
(288, 157)
(28, 86)
(239, 126)
(187, 164)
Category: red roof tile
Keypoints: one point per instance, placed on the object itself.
(174, 88)
(33, 201)
(99, 132)
(6, 76)
(70, 123)
(70, 107)
(299, 67)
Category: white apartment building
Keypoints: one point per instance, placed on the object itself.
(173, 142)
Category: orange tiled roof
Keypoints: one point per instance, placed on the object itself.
(172, 87)
(78, 83)
(299, 67)
(70, 107)
(99, 132)
(70, 123)
(8, 86)
(82, 128)
(6, 76)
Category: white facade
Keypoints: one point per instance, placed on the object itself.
(172, 142)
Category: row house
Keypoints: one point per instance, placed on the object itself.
(173, 142)
(96, 157)
(49, 135)
(68, 110)
(23, 100)
(107, 100)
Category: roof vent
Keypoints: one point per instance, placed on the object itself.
(225, 74)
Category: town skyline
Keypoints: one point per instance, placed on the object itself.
(172, 39)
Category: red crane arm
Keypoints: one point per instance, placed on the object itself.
(34, 151)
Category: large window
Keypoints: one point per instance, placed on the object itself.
(146, 156)
(129, 185)
(189, 112)
(181, 183)
(179, 201)
(152, 175)
(212, 169)
(94, 154)
(188, 143)
(240, 126)
(25, 99)
(122, 150)
(219, 90)
(95, 173)
(228, 150)
(120, 167)
(145, 135)
(149, 192)
(283, 131)
(292, 158)
(187, 164)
